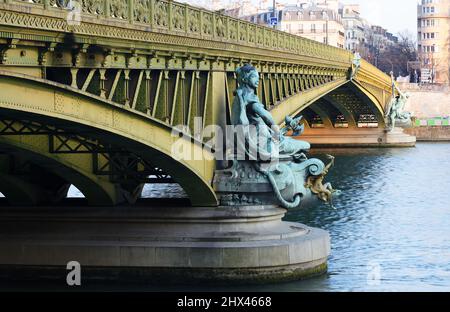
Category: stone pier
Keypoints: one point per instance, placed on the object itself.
(160, 245)
(359, 137)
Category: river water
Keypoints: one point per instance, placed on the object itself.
(391, 227)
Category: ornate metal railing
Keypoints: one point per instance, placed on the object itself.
(170, 17)
(375, 72)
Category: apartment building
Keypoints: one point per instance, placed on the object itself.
(433, 24)
(318, 21)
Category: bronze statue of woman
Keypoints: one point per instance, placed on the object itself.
(250, 113)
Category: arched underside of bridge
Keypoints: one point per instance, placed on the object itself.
(105, 150)
(348, 104)
(348, 115)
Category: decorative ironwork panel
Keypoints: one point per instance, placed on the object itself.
(179, 17)
(119, 9)
(207, 21)
(193, 21)
(142, 11)
(96, 7)
(161, 14)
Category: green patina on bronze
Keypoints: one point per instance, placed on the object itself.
(395, 110)
(263, 156)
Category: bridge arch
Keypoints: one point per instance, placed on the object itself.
(331, 94)
(21, 192)
(53, 103)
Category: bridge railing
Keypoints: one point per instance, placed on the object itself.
(375, 72)
(170, 17)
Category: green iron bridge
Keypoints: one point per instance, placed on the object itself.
(91, 99)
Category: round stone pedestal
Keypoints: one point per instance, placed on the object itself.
(170, 245)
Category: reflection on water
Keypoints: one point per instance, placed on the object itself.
(149, 191)
(163, 190)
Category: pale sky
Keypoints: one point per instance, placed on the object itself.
(394, 15)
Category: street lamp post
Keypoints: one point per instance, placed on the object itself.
(274, 12)
(392, 66)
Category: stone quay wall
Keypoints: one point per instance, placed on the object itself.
(430, 106)
(430, 133)
(427, 101)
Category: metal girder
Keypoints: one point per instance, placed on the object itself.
(125, 166)
(25, 127)
(120, 165)
(138, 133)
(76, 144)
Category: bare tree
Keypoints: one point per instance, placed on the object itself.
(444, 63)
(395, 57)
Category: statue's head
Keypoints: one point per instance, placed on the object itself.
(248, 75)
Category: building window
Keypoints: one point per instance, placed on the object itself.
(313, 28)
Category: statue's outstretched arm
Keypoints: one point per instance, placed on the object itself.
(263, 113)
(398, 90)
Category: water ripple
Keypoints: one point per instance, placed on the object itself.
(391, 223)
